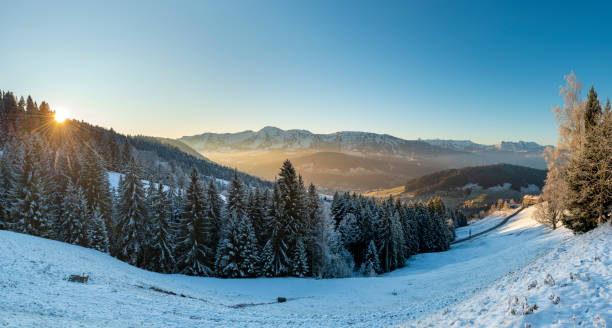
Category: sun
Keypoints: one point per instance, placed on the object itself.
(61, 115)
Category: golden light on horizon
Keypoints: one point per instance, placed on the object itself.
(61, 115)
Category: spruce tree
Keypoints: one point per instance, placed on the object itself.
(132, 218)
(196, 253)
(30, 208)
(228, 253)
(93, 178)
(277, 261)
(249, 264)
(97, 236)
(236, 197)
(75, 215)
(162, 243)
(300, 260)
(371, 266)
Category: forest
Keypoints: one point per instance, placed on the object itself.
(54, 184)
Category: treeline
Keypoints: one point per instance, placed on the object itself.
(381, 235)
(578, 189)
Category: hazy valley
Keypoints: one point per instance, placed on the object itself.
(357, 161)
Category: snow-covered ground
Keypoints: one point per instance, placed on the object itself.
(473, 279)
(570, 286)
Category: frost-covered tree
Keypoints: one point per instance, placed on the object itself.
(228, 253)
(257, 213)
(236, 201)
(277, 260)
(162, 243)
(30, 206)
(195, 251)
(248, 247)
(97, 236)
(75, 216)
(300, 260)
(371, 266)
(93, 179)
(8, 166)
(215, 210)
(292, 200)
(132, 217)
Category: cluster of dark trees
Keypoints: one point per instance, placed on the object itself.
(54, 183)
(381, 235)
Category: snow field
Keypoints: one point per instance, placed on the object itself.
(35, 292)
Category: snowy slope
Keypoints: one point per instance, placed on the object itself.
(578, 295)
(32, 273)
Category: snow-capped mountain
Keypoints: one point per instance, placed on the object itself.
(272, 138)
(351, 142)
(470, 146)
(354, 160)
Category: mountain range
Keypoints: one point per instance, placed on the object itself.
(352, 160)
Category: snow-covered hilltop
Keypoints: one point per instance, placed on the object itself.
(272, 138)
(470, 146)
(470, 285)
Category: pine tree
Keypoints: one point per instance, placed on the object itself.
(75, 217)
(277, 261)
(267, 260)
(300, 260)
(8, 167)
(215, 209)
(292, 197)
(249, 254)
(162, 243)
(371, 266)
(257, 214)
(30, 208)
(236, 198)
(592, 112)
(589, 176)
(228, 254)
(132, 217)
(93, 178)
(385, 240)
(196, 253)
(97, 236)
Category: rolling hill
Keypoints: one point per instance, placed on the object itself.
(506, 176)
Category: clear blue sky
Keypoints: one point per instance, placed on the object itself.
(486, 71)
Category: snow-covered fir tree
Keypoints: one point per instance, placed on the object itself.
(161, 258)
(248, 246)
(277, 261)
(300, 260)
(30, 206)
(97, 236)
(195, 252)
(371, 266)
(74, 219)
(228, 253)
(93, 178)
(132, 217)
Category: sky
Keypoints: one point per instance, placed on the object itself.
(480, 70)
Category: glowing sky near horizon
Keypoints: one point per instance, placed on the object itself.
(480, 70)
